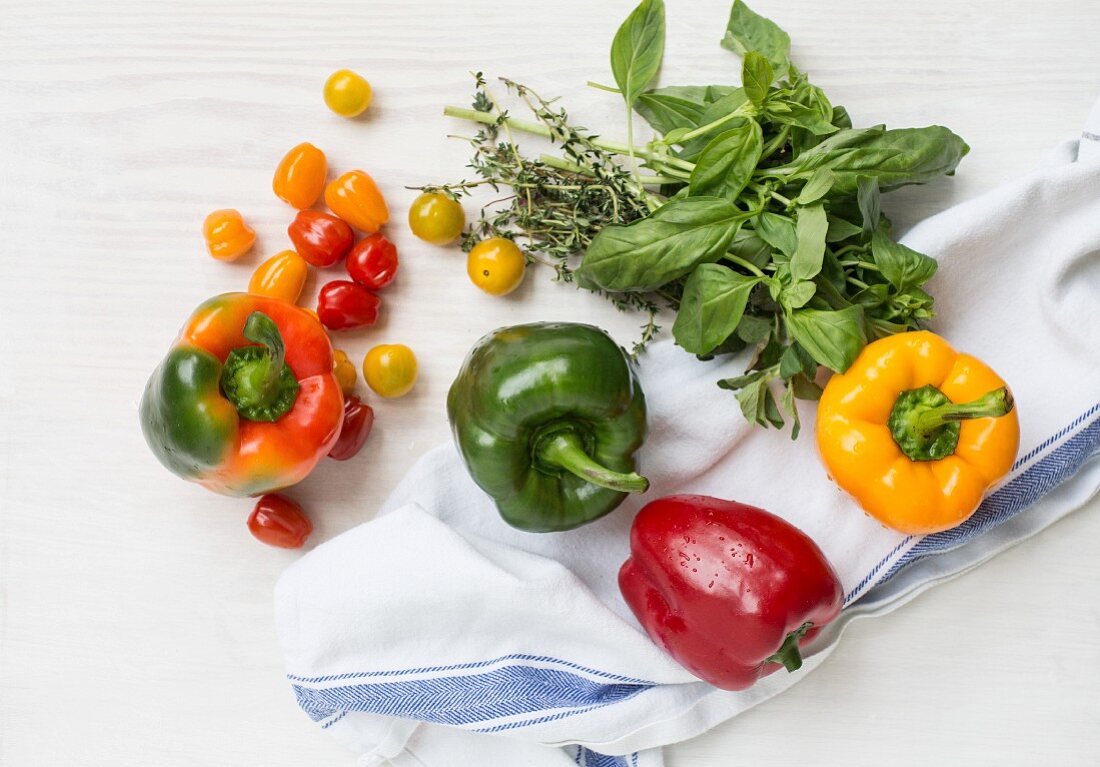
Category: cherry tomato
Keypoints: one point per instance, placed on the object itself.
(279, 521)
(343, 305)
(373, 262)
(344, 371)
(358, 420)
(281, 276)
(319, 238)
(355, 198)
(390, 370)
(300, 177)
(346, 93)
(227, 236)
(436, 218)
(496, 266)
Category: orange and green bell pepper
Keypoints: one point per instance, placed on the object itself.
(245, 402)
(916, 432)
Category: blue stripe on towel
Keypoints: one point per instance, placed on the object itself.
(588, 758)
(507, 691)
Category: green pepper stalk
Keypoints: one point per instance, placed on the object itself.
(256, 379)
(925, 422)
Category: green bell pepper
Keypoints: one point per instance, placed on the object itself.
(547, 418)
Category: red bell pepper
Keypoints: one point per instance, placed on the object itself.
(728, 590)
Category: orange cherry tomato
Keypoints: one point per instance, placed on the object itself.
(281, 276)
(355, 198)
(228, 237)
(300, 177)
(344, 371)
(280, 522)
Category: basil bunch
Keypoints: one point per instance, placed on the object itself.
(771, 233)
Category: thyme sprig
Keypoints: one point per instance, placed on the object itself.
(553, 206)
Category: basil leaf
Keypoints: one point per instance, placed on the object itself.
(727, 162)
(778, 231)
(792, 410)
(756, 77)
(666, 109)
(649, 252)
(732, 384)
(754, 330)
(811, 227)
(804, 106)
(747, 245)
(729, 102)
(840, 230)
(841, 118)
(798, 294)
(833, 338)
(748, 31)
(711, 307)
(893, 157)
(637, 49)
(869, 199)
(817, 187)
(902, 267)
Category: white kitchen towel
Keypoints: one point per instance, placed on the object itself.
(437, 636)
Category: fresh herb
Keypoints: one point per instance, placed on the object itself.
(755, 213)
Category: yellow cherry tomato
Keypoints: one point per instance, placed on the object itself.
(496, 266)
(281, 276)
(436, 218)
(227, 236)
(344, 371)
(346, 93)
(390, 370)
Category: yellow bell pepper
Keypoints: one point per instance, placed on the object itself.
(916, 432)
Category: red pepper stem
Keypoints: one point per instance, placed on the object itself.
(256, 379)
(788, 653)
(263, 375)
(564, 449)
(991, 405)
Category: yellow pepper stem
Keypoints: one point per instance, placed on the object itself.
(925, 422)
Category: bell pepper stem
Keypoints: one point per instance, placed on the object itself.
(925, 422)
(991, 405)
(566, 451)
(256, 379)
(788, 653)
(263, 376)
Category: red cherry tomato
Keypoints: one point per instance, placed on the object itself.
(373, 262)
(358, 420)
(279, 521)
(343, 305)
(319, 238)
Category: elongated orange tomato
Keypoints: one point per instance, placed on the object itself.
(281, 276)
(355, 198)
(300, 177)
(227, 236)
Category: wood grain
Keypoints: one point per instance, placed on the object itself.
(135, 623)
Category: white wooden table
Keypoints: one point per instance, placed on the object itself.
(135, 610)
